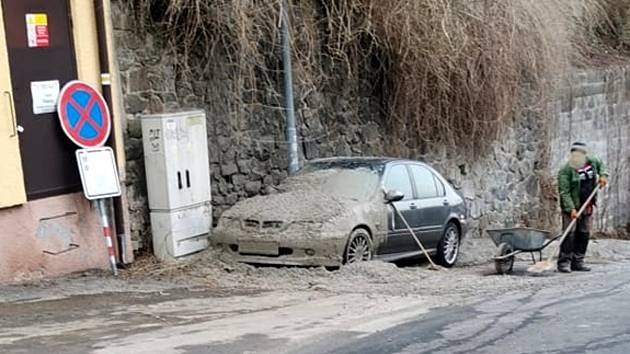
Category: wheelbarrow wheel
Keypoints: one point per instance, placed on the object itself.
(504, 266)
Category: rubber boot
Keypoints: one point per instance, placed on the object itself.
(564, 267)
(566, 254)
(580, 244)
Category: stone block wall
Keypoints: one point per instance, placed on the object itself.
(595, 109)
(511, 184)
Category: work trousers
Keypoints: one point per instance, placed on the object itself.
(573, 249)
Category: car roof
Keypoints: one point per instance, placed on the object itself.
(376, 160)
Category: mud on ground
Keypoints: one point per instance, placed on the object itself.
(474, 276)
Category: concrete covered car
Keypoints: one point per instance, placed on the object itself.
(334, 212)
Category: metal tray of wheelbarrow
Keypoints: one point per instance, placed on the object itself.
(520, 238)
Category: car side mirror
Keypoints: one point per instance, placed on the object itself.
(393, 196)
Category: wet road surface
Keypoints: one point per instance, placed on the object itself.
(555, 318)
(594, 319)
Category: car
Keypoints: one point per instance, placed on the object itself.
(334, 211)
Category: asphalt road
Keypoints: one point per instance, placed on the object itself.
(595, 319)
(558, 317)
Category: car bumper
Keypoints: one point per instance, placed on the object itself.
(326, 252)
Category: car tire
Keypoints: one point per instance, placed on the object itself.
(448, 247)
(359, 247)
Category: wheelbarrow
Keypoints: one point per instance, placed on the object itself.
(517, 240)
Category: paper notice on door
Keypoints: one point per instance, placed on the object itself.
(37, 30)
(45, 95)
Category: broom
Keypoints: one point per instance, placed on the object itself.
(548, 264)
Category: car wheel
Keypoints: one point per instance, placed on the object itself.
(359, 247)
(448, 248)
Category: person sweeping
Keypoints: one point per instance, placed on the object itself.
(576, 181)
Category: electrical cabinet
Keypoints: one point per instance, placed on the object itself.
(178, 182)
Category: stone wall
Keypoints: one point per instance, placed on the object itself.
(509, 185)
(247, 149)
(595, 109)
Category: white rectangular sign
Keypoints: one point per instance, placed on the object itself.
(45, 95)
(99, 174)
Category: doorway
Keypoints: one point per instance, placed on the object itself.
(41, 58)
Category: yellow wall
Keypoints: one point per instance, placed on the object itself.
(87, 55)
(117, 103)
(12, 191)
(85, 41)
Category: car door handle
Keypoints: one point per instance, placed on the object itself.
(445, 202)
(413, 206)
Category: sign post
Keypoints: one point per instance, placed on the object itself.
(107, 232)
(85, 118)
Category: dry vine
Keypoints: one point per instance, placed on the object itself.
(451, 72)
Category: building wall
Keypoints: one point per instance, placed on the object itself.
(511, 184)
(57, 235)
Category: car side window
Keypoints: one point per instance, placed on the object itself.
(398, 179)
(440, 186)
(424, 182)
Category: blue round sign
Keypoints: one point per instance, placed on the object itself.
(84, 115)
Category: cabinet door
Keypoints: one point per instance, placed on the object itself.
(190, 162)
(12, 190)
(193, 164)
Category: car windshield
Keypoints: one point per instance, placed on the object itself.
(357, 184)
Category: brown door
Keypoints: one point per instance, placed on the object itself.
(47, 155)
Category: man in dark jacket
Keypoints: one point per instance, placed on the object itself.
(576, 181)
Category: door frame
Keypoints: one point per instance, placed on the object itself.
(12, 186)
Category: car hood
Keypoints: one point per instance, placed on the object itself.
(308, 206)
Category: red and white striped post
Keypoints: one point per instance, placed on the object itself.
(107, 232)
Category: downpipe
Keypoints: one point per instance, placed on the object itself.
(291, 132)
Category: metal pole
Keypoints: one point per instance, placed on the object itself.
(107, 232)
(103, 53)
(288, 92)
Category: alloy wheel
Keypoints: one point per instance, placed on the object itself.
(359, 248)
(451, 243)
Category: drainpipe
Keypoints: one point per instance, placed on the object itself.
(103, 52)
(288, 92)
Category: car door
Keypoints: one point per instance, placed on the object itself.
(431, 203)
(398, 237)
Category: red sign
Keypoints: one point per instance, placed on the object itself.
(84, 115)
(37, 30)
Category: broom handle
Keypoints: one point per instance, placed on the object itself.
(573, 222)
(413, 234)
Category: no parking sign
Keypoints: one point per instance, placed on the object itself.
(85, 118)
(84, 115)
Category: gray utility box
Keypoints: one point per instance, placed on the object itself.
(178, 182)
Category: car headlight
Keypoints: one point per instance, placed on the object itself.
(229, 223)
(308, 227)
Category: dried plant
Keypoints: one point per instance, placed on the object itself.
(451, 72)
